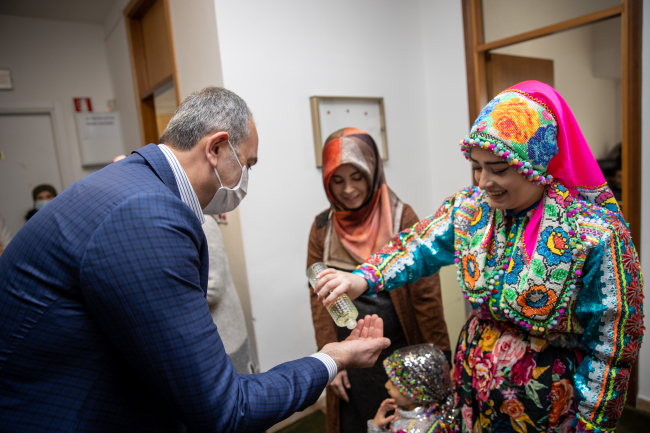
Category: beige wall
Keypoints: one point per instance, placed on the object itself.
(594, 101)
(198, 63)
(51, 63)
(119, 63)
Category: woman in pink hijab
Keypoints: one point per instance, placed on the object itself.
(546, 261)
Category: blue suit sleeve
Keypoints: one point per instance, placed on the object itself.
(141, 280)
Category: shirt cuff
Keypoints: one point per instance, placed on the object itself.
(332, 369)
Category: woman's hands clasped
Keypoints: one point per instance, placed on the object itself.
(335, 283)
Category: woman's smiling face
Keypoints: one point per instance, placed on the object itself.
(505, 187)
(349, 186)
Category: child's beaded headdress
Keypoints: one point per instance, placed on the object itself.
(420, 372)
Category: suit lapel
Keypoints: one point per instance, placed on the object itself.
(156, 159)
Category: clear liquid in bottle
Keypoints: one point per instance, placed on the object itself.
(342, 309)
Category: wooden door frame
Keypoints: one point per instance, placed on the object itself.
(631, 13)
(144, 91)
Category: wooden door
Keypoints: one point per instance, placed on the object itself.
(153, 61)
(504, 71)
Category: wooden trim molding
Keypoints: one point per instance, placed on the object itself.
(554, 28)
(144, 89)
(643, 404)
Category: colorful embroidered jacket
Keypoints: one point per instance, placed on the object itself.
(582, 287)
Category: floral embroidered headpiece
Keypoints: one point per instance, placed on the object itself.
(520, 130)
(420, 372)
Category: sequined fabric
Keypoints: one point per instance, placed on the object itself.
(582, 287)
(420, 372)
(417, 420)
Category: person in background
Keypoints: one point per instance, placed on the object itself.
(364, 214)
(42, 195)
(223, 301)
(419, 385)
(547, 263)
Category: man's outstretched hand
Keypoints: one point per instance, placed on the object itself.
(362, 348)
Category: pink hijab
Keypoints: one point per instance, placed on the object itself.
(574, 166)
(565, 158)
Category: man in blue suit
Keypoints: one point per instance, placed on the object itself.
(104, 326)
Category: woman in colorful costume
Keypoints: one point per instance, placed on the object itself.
(547, 263)
(363, 216)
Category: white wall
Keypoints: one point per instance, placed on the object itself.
(198, 62)
(644, 357)
(290, 50)
(52, 62)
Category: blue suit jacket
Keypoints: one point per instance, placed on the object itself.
(104, 324)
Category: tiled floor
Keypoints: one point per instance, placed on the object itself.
(632, 421)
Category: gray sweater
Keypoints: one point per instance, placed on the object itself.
(224, 304)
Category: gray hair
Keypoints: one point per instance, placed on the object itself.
(212, 109)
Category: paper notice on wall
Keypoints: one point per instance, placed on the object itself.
(100, 137)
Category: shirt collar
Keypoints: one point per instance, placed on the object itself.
(188, 196)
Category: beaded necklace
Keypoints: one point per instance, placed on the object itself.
(540, 289)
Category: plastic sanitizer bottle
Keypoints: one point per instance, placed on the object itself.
(342, 309)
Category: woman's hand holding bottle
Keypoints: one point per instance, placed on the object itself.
(335, 283)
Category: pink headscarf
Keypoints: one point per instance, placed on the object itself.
(566, 159)
(574, 166)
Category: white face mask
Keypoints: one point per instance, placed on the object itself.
(227, 199)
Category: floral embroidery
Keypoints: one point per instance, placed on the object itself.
(630, 261)
(622, 379)
(486, 374)
(537, 301)
(514, 269)
(509, 394)
(480, 218)
(514, 120)
(561, 195)
(622, 231)
(522, 371)
(631, 351)
(614, 408)
(634, 293)
(509, 349)
(558, 367)
(543, 146)
(538, 344)
(555, 246)
(634, 325)
(488, 340)
(471, 270)
(513, 408)
(507, 385)
(561, 396)
(467, 416)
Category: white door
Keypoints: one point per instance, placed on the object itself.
(27, 158)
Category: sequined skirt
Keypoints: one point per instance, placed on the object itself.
(508, 381)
